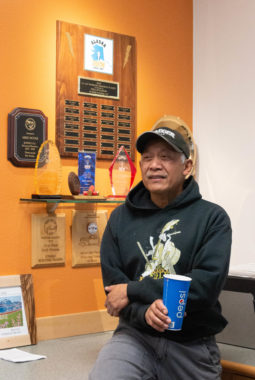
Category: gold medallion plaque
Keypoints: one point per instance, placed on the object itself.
(96, 91)
(48, 240)
(87, 232)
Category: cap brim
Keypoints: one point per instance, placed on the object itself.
(145, 137)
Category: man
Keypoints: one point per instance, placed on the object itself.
(164, 227)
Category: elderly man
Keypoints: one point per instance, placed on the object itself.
(163, 227)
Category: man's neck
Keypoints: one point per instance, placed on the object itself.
(162, 200)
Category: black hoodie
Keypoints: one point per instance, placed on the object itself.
(190, 236)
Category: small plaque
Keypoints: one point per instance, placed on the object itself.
(90, 105)
(106, 107)
(107, 122)
(48, 240)
(72, 134)
(123, 124)
(100, 88)
(107, 137)
(90, 128)
(71, 142)
(124, 117)
(107, 114)
(72, 118)
(107, 145)
(72, 110)
(107, 130)
(27, 130)
(89, 121)
(90, 135)
(90, 113)
(123, 109)
(71, 126)
(72, 103)
(70, 149)
(87, 232)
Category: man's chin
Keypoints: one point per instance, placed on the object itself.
(157, 190)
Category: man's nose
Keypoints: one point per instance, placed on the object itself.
(155, 163)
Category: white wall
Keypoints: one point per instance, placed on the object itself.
(224, 113)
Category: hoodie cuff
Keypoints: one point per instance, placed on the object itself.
(133, 289)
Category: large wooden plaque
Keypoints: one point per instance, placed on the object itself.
(95, 91)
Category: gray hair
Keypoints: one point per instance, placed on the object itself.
(183, 158)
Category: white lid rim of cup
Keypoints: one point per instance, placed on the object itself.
(177, 277)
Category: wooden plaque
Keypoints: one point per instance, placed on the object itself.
(27, 130)
(95, 91)
(48, 240)
(87, 231)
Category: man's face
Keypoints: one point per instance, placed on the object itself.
(163, 171)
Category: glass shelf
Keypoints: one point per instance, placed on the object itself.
(52, 203)
(60, 200)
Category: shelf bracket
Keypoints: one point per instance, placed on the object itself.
(51, 207)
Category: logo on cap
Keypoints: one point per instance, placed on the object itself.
(165, 132)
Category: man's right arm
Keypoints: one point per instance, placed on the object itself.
(113, 275)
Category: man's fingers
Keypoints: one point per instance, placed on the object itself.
(156, 316)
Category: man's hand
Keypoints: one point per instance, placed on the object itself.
(116, 299)
(156, 316)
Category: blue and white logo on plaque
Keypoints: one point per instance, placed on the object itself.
(98, 54)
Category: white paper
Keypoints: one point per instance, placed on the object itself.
(19, 356)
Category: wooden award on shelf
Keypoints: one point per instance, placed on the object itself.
(95, 91)
(48, 240)
(87, 232)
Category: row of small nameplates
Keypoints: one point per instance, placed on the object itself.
(73, 130)
(94, 148)
(94, 106)
(94, 121)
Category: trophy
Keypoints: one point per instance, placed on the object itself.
(122, 174)
(86, 170)
(48, 170)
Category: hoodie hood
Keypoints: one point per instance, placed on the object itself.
(139, 197)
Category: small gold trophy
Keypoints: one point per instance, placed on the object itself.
(48, 170)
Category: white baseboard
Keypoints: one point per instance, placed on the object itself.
(62, 326)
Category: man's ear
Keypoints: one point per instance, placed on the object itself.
(188, 165)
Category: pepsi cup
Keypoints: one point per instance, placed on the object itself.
(175, 295)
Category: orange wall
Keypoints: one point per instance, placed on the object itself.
(163, 30)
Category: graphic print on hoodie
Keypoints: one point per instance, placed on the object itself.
(162, 257)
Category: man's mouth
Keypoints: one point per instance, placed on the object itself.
(156, 176)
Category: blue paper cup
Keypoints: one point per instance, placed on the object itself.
(175, 295)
